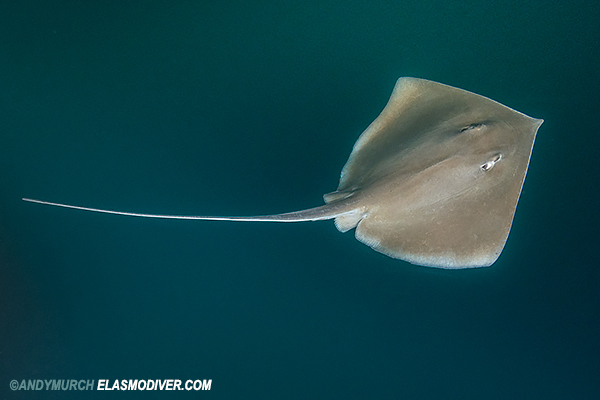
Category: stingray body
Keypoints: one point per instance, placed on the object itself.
(434, 180)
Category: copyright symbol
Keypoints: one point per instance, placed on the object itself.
(14, 385)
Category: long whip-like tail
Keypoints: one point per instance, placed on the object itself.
(325, 212)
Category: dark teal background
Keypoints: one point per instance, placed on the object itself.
(237, 108)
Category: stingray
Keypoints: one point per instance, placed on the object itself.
(434, 180)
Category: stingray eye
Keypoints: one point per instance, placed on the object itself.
(487, 166)
(490, 164)
(472, 127)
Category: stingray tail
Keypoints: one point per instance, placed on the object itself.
(328, 211)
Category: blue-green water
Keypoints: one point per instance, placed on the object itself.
(236, 108)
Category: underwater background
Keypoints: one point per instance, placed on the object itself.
(244, 108)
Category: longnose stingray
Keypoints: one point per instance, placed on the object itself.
(434, 180)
